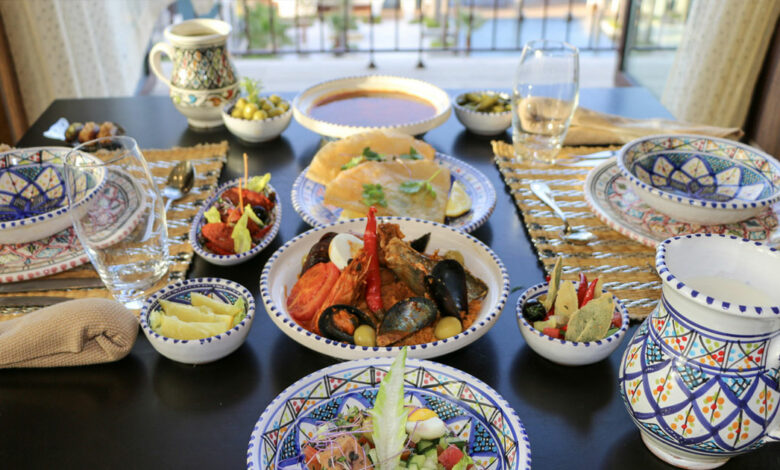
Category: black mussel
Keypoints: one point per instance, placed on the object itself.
(404, 319)
(319, 252)
(421, 243)
(446, 285)
(533, 310)
(339, 322)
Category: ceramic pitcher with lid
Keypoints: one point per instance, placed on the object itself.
(203, 78)
(700, 376)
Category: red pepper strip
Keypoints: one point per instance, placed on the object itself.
(582, 289)
(590, 292)
(552, 332)
(547, 279)
(373, 277)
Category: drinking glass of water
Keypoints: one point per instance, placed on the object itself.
(545, 95)
(122, 226)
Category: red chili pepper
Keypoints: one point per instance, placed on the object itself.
(373, 278)
(547, 279)
(590, 292)
(550, 313)
(582, 289)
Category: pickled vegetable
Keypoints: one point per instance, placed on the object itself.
(254, 107)
(485, 102)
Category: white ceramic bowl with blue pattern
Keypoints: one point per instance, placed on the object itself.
(282, 270)
(560, 351)
(199, 351)
(473, 411)
(700, 179)
(308, 196)
(197, 242)
(255, 131)
(33, 199)
(482, 123)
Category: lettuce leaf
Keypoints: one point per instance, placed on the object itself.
(248, 210)
(242, 239)
(212, 215)
(257, 183)
(389, 416)
(463, 463)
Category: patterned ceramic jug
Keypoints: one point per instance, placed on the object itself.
(203, 78)
(700, 376)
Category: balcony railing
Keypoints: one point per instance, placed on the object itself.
(280, 27)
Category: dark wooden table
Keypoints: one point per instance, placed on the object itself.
(149, 412)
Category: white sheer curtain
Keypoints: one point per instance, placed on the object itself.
(720, 56)
(77, 48)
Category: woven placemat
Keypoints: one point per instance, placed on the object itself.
(208, 160)
(627, 267)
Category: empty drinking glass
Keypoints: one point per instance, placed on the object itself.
(122, 226)
(545, 96)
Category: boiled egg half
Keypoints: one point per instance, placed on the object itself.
(424, 423)
(343, 247)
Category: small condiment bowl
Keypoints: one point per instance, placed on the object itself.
(199, 351)
(560, 351)
(196, 240)
(700, 179)
(256, 131)
(482, 123)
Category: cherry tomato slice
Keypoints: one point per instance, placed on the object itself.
(310, 291)
(450, 456)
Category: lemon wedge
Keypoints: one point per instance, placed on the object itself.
(459, 202)
(172, 327)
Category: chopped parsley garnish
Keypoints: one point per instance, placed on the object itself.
(412, 155)
(415, 186)
(367, 156)
(373, 195)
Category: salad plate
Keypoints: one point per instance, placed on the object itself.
(612, 198)
(33, 200)
(307, 196)
(473, 411)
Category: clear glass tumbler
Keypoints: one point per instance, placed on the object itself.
(545, 95)
(122, 226)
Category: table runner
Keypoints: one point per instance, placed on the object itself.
(627, 267)
(208, 160)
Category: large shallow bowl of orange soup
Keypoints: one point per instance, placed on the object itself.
(345, 106)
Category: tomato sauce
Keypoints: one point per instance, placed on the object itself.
(372, 108)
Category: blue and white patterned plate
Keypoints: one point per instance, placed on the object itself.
(307, 196)
(474, 411)
(33, 200)
(701, 179)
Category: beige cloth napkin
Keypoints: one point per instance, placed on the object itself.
(594, 128)
(73, 333)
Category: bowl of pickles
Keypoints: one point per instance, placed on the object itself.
(256, 118)
(484, 112)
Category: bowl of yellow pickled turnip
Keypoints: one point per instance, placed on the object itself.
(195, 321)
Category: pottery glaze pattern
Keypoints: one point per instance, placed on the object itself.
(476, 413)
(33, 204)
(700, 376)
(203, 79)
(701, 179)
(613, 199)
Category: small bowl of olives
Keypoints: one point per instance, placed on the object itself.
(483, 112)
(257, 118)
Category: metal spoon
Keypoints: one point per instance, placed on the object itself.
(180, 181)
(569, 234)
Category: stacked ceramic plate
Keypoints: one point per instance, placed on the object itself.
(666, 185)
(36, 236)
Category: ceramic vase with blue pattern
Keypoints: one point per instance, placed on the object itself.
(700, 375)
(203, 79)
